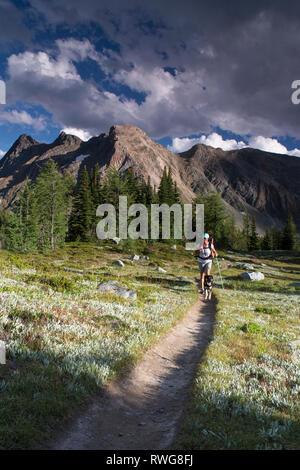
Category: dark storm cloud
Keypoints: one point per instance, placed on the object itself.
(235, 63)
(12, 28)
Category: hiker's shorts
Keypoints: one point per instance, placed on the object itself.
(204, 265)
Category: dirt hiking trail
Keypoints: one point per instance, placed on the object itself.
(144, 410)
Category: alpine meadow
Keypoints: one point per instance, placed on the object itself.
(149, 229)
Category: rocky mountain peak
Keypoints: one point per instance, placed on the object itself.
(24, 141)
(264, 184)
(67, 139)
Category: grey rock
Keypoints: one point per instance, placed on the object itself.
(161, 270)
(106, 286)
(135, 257)
(113, 286)
(145, 257)
(248, 267)
(253, 276)
(119, 263)
(116, 240)
(174, 247)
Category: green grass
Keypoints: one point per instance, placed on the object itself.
(65, 339)
(246, 394)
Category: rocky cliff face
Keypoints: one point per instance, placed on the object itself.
(265, 184)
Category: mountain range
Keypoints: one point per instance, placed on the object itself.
(265, 184)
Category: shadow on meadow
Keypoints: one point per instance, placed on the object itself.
(222, 421)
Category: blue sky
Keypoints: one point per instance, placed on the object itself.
(214, 72)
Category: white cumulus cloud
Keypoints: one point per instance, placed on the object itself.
(81, 133)
(269, 144)
(214, 140)
(23, 118)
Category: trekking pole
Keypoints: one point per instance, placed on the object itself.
(219, 272)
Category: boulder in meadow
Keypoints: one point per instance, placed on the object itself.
(113, 286)
(253, 276)
(161, 270)
(119, 263)
(248, 267)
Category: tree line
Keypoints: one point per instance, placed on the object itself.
(55, 209)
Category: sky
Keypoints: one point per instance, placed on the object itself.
(186, 72)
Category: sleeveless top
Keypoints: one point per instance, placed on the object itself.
(206, 252)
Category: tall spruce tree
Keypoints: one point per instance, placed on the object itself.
(164, 188)
(214, 214)
(246, 230)
(83, 214)
(53, 195)
(288, 234)
(254, 240)
(111, 188)
(130, 186)
(276, 234)
(267, 241)
(95, 185)
(22, 225)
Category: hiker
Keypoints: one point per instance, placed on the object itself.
(205, 253)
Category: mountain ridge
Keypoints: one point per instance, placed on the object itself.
(263, 183)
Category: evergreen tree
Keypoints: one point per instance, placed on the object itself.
(288, 234)
(176, 195)
(267, 241)
(254, 240)
(112, 187)
(214, 214)
(276, 234)
(53, 191)
(164, 188)
(145, 192)
(246, 230)
(150, 193)
(82, 215)
(95, 185)
(12, 233)
(30, 217)
(22, 225)
(130, 187)
(228, 234)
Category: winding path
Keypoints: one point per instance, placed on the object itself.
(144, 410)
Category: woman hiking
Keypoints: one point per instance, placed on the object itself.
(205, 254)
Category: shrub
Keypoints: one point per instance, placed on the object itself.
(58, 282)
(268, 310)
(25, 314)
(251, 327)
